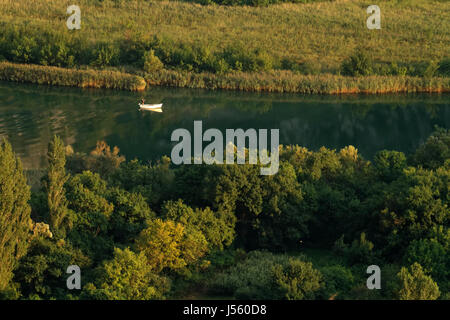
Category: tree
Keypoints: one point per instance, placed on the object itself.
(127, 277)
(435, 151)
(360, 252)
(168, 244)
(15, 221)
(101, 160)
(416, 285)
(338, 281)
(54, 184)
(90, 214)
(251, 278)
(433, 257)
(213, 225)
(130, 215)
(389, 165)
(297, 280)
(42, 271)
(151, 63)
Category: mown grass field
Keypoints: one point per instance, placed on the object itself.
(320, 35)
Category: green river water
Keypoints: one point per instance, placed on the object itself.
(31, 114)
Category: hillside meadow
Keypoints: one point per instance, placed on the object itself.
(317, 38)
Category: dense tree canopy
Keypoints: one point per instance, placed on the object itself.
(155, 231)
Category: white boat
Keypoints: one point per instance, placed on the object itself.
(151, 107)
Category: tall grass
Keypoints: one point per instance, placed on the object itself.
(287, 81)
(70, 77)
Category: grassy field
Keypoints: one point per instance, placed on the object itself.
(318, 36)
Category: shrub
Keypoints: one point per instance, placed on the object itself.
(106, 55)
(151, 63)
(444, 67)
(359, 64)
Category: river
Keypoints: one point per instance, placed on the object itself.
(30, 115)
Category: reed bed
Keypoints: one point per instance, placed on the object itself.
(290, 82)
(70, 77)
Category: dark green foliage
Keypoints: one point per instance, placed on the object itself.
(215, 229)
(360, 252)
(130, 215)
(435, 151)
(53, 183)
(263, 275)
(389, 165)
(338, 282)
(190, 225)
(444, 67)
(411, 207)
(90, 215)
(297, 280)
(151, 181)
(433, 257)
(359, 64)
(42, 272)
(15, 219)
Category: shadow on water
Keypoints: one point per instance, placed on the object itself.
(30, 115)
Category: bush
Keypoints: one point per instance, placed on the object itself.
(359, 64)
(106, 55)
(151, 63)
(241, 59)
(444, 67)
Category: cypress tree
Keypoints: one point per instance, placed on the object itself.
(15, 220)
(54, 184)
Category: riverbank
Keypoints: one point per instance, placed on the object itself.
(56, 76)
(292, 82)
(271, 81)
